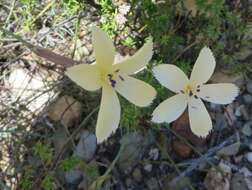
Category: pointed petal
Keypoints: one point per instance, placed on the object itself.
(86, 76)
(109, 114)
(221, 93)
(200, 120)
(204, 67)
(136, 62)
(136, 91)
(171, 77)
(103, 48)
(170, 109)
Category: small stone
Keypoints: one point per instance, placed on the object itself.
(246, 129)
(220, 122)
(244, 112)
(249, 156)
(66, 110)
(137, 175)
(238, 112)
(73, 177)
(148, 167)
(247, 98)
(154, 153)
(86, 147)
(249, 87)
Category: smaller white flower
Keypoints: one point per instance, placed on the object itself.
(124, 9)
(191, 91)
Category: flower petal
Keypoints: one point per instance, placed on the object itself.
(204, 67)
(136, 91)
(136, 62)
(170, 109)
(221, 93)
(86, 76)
(200, 120)
(109, 114)
(171, 77)
(103, 48)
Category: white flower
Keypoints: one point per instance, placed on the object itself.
(191, 91)
(112, 77)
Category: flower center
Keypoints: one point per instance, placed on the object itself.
(111, 78)
(191, 90)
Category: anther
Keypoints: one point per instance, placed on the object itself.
(190, 93)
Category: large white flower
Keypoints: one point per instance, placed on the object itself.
(191, 91)
(112, 77)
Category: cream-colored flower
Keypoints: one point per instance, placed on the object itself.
(191, 91)
(105, 73)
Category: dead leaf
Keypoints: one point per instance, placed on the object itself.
(182, 149)
(55, 58)
(182, 127)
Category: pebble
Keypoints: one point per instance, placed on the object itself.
(154, 153)
(247, 98)
(148, 167)
(246, 129)
(86, 147)
(249, 87)
(73, 177)
(245, 112)
(249, 156)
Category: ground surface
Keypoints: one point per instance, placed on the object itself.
(47, 123)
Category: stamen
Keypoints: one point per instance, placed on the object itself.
(198, 90)
(182, 91)
(196, 97)
(117, 70)
(190, 93)
(198, 86)
(113, 83)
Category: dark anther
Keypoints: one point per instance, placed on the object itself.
(198, 86)
(196, 97)
(113, 82)
(121, 77)
(182, 91)
(198, 90)
(117, 70)
(190, 93)
(110, 76)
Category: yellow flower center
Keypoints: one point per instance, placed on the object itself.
(111, 78)
(191, 90)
